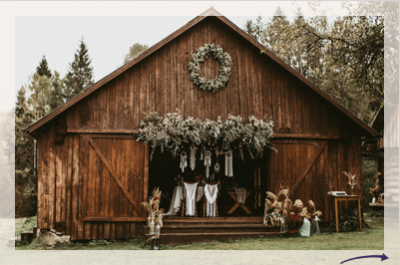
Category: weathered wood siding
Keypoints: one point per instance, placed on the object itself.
(67, 188)
(258, 86)
(161, 83)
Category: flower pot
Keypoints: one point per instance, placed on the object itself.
(293, 231)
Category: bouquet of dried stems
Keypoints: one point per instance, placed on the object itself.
(152, 206)
(274, 204)
(352, 181)
(315, 212)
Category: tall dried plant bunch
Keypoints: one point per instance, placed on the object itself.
(303, 212)
(298, 205)
(351, 179)
(157, 193)
(315, 212)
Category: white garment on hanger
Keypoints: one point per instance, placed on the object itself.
(211, 192)
(175, 204)
(241, 195)
(190, 198)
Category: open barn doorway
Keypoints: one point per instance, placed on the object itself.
(248, 173)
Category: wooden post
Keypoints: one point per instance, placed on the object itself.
(359, 213)
(337, 217)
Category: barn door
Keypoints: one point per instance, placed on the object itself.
(115, 178)
(299, 165)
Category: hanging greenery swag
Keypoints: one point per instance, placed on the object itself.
(172, 130)
(199, 57)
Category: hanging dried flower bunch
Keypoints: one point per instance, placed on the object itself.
(173, 129)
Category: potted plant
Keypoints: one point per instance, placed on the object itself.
(293, 222)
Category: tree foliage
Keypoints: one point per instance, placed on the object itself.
(134, 51)
(343, 58)
(80, 73)
(43, 68)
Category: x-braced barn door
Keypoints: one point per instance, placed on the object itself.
(115, 178)
(299, 165)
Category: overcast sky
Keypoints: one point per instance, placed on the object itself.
(108, 38)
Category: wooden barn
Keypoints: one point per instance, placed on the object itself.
(94, 175)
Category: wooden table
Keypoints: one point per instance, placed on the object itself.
(237, 204)
(345, 198)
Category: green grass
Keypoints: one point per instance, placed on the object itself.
(369, 238)
(23, 224)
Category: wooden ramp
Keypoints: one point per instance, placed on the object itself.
(184, 230)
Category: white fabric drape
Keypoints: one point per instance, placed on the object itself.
(190, 198)
(175, 204)
(211, 193)
(192, 156)
(228, 164)
(241, 195)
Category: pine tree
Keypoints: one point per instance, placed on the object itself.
(25, 171)
(80, 73)
(134, 51)
(39, 100)
(255, 30)
(56, 96)
(43, 69)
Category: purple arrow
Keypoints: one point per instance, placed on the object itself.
(382, 257)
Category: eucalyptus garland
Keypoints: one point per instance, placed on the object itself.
(172, 130)
(199, 57)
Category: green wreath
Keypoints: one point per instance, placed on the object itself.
(202, 54)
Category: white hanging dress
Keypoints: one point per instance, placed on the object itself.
(211, 192)
(190, 190)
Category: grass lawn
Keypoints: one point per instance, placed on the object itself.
(369, 238)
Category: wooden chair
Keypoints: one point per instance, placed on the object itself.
(205, 200)
(184, 200)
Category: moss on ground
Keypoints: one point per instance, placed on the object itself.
(369, 238)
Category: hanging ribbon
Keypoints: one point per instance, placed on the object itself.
(192, 156)
(228, 164)
(202, 152)
(183, 163)
(241, 152)
(207, 162)
(216, 166)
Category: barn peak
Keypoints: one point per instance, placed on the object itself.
(244, 37)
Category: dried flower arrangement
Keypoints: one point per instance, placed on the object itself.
(375, 190)
(352, 181)
(284, 207)
(293, 221)
(152, 207)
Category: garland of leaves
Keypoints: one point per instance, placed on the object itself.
(199, 57)
(173, 129)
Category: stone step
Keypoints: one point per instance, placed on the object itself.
(185, 238)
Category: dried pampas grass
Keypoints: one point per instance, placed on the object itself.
(303, 212)
(351, 178)
(271, 196)
(318, 213)
(298, 204)
(157, 194)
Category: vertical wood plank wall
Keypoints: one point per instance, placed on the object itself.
(161, 83)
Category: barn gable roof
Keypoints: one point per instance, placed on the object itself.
(190, 24)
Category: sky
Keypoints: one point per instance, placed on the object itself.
(109, 37)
